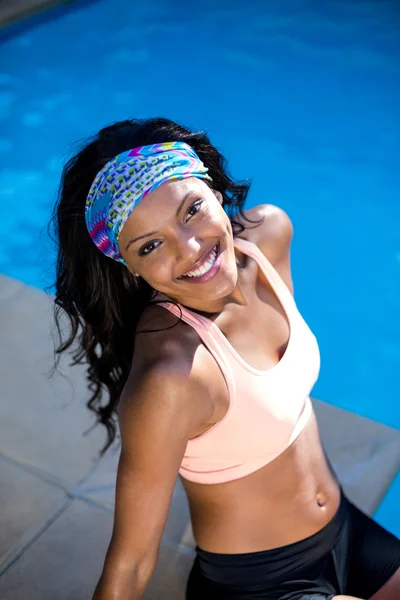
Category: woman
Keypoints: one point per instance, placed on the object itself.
(184, 308)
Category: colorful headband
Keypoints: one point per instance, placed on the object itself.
(126, 179)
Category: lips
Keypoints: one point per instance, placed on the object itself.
(200, 262)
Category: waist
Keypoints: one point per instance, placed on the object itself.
(266, 566)
(274, 506)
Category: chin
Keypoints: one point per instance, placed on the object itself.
(223, 289)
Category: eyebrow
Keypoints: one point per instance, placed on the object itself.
(178, 210)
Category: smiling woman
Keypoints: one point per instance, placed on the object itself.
(101, 295)
(153, 240)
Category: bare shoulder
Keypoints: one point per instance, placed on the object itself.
(171, 376)
(272, 230)
(158, 397)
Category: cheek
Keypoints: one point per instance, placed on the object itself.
(158, 272)
(218, 218)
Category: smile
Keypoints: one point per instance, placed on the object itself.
(209, 267)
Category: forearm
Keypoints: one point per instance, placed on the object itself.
(123, 583)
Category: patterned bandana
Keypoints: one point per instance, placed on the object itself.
(126, 179)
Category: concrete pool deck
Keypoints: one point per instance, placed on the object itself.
(57, 497)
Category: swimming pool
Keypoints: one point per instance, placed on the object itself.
(302, 101)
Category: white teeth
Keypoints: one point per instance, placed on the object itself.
(206, 267)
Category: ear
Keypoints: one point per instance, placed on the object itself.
(132, 272)
(219, 196)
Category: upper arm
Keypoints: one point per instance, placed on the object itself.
(156, 419)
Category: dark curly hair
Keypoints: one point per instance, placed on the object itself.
(100, 297)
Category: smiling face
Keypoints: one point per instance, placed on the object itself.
(186, 246)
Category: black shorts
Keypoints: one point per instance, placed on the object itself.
(351, 555)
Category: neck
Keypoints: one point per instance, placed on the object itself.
(217, 306)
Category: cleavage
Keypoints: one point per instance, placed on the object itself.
(260, 331)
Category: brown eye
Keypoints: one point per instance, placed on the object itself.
(194, 209)
(147, 248)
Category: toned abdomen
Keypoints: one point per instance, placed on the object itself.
(287, 500)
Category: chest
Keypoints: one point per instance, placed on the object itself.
(259, 331)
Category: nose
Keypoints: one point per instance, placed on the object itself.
(188, 251)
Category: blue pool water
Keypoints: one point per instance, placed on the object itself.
(302, 98)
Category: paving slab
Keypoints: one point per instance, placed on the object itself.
(99, 484)
(365, 454)
(66, 561)
(26, 502)
(9, 287)
(42, 418)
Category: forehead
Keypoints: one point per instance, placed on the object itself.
(161, 204)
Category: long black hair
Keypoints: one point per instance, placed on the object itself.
(102, 300)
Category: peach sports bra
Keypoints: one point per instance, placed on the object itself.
(267, 409)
